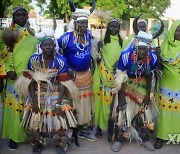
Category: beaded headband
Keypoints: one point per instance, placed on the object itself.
(143, 37)
(18, 8)
(114, 20)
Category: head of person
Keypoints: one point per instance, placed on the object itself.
(142, 25)
(20, 16)
(139, 24)
(177, 33)
(113, 28)
(81, 20)
(170, 46)
(47, 44)
(143, 43)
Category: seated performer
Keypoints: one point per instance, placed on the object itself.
(47, 113)
(131, 117)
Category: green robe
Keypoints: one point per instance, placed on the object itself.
(12, 105)
(2, 57)
(169, 90)
(104, 81)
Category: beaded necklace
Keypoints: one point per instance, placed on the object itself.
(12, 61)
(80, 46)
(48, 92)
(140, 67)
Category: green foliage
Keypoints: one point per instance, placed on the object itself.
(149, 8)
(119, 7)
(11, 4)
(40, 4)
(3, 5)
(61, 9)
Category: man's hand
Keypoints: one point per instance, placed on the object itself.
(99, 45)
(158, 50)
(12, 75)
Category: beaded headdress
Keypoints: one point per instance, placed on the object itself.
(114, 20)
(143, 39)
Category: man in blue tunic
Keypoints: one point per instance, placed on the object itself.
(132, 117)
(75, 45)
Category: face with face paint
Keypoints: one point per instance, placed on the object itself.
(81, 26)
(142, 52)
(113, 28)
(177, 33)
(142, 26)
(48, 47)
(20, 17)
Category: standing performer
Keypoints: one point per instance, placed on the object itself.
(104, 74)
(76, 48)
(138, 25)
(137, 63)
(20, 47)
(169, 91)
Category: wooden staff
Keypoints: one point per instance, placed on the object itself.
(101, 26)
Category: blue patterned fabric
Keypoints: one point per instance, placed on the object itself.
(78, 55)
(125, 62)
(59, 62)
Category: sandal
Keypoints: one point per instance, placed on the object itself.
(116, 146)
(37, 147)
(98, 133)
(158, 143)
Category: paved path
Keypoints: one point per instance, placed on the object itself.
(102, 146)
(99, 147)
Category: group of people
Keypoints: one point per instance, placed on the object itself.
(50, 89)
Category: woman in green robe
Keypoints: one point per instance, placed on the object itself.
(104, 74)
(16, 62)
(168, 123)
(2, 65)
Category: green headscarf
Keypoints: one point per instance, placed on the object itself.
(170, 48)
(44, 38)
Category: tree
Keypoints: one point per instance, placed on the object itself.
(3, 5)
(119, 7)
(61, 9)
(8, 6)
(150, 8)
